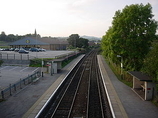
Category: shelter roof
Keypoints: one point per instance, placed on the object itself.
(140, 76)
(28, 41)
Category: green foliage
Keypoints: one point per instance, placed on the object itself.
(1, 62)
(38, 62)
(130, 36)
(75, 41)
(150, 65)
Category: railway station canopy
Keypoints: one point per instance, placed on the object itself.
(143, 85)
(140, 76)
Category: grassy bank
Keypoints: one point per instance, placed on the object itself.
(124, 77)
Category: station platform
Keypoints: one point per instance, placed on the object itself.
(124, 102)
(118, 110)
(37, 106)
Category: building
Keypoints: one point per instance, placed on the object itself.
(55, 43)
(47, 43)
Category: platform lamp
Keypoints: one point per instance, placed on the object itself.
(119, 56)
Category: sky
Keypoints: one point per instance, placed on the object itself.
(61, 18)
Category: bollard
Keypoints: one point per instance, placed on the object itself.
(42, 74)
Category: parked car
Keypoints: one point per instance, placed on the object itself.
(34, 50)
(5, 49)
(16, 49)
(12, 49)
(41, 49)
(23, 51)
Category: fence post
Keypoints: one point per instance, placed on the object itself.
(24, 81)
(20, 84)
(27, 57)
(14, 87)
(10, 89)
(21, 56)
(31, 79)
(7, 56)
(14, 56)
(2, 94)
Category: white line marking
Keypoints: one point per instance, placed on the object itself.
(13, 68)
(3, 67)
(35, 69)
(24, 69)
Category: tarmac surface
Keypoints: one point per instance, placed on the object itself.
(17, 105)
(12, 74)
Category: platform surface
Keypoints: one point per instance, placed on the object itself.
(134, 106)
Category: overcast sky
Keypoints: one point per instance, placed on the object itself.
(62, 17)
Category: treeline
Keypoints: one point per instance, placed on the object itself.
(12, 37)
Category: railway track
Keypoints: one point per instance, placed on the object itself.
(81, 95)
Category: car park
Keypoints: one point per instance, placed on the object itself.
(23, 51)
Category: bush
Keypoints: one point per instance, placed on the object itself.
(1, 62)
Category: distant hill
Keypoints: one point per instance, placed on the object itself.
(91, 38)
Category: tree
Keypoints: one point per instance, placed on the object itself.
(2, 36)
(75, 41)
(130, 36)
(82, 43)
(151, 61)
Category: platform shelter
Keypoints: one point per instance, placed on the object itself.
(143, 85)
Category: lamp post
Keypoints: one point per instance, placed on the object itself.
(121, 64)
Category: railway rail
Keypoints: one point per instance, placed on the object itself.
(82, 94)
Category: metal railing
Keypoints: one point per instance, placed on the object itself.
(19, 85)
(14, 56)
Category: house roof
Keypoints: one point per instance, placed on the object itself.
(140, 76)
(28, 41)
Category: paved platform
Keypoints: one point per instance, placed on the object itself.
(124, 101)
(117, 108)
(33, 111)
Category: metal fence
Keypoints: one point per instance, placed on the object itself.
(14, 88)
(14, 56)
